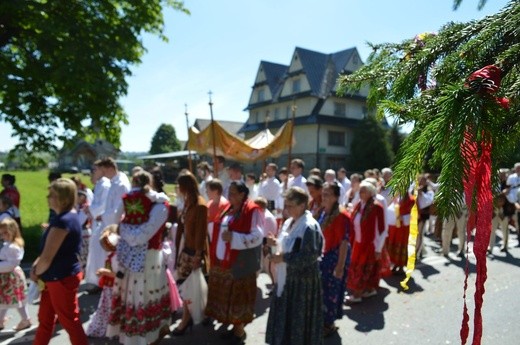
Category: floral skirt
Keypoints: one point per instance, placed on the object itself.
(12, 289)
(230, 301)
(98, 325)
(397, 244)
(141, 303)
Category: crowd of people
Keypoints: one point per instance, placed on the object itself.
(324, 240)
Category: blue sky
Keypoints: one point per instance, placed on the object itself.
(220, 45)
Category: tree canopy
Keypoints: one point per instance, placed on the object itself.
(426, 81)
(370, 146)
(63, 65)
(165, 140)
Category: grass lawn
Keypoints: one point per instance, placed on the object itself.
(33, 206)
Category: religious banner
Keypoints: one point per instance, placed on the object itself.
(260, 147)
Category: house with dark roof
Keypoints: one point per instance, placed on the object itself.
(324, 121)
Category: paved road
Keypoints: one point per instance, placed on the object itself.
(429, 313)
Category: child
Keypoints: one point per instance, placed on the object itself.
(85, 226)
(6, 207)
(136, 206)
(168, 249)
(98, 325)
(12, 278)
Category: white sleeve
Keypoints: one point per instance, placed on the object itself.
(140, 234)
(99, 202)
(253, 239)
(13, 256)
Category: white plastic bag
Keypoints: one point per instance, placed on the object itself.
(194, 292)
(33, 292)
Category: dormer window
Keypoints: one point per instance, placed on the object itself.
(296, 85)
(261, 95)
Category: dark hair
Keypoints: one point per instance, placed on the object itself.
(252, 176)
(53, 176)
(334, 186)
(299, 163)
(283, 171)
(107, 162)
(6, 200)
(298, 195)
(188, 185)
(157, 180)
(9, 178)
(204, 166)
(241, 187)
(221, 159)
(215, 185)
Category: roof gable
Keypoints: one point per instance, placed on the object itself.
(274, 75)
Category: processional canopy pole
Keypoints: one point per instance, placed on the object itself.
(289, 155)
(188, 129)
(266, 138)
(215, 163)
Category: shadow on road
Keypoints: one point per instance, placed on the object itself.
(369, 314)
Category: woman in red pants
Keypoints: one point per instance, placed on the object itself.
(59, 268)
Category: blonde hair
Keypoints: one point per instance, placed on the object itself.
(11, 226)
(66, 192)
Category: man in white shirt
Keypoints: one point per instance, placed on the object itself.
(343, 179)
(270, 188)
(95, 259)
(297, 166)
(119, 186)
(252, 186)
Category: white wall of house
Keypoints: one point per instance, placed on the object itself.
(306, 139)
(353, 109)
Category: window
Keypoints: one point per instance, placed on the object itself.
(340, 109)
(257, 117)
(296, 85)
(336, 138)
(261, 95)
(288, 112)
(276, 113)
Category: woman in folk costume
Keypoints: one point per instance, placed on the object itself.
(194, 227)
(365, 262)
(335, 224)
(236, 253)
(141, 299)
(296, 312)
(398, 217)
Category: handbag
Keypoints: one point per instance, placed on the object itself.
(185, 263)
(194, 292)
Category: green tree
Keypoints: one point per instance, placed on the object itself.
(370, 147)
(165, 140)
(63, 65)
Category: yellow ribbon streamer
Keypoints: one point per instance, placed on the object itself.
(412, 240)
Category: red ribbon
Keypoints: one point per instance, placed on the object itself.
(477, 181)
(486, 81)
